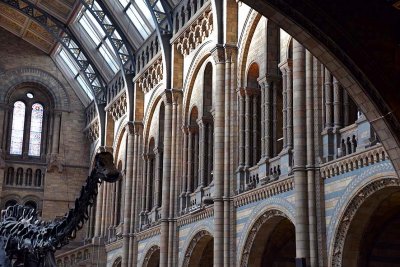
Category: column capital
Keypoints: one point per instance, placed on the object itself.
(268, 78)
(230, 52)
(218, 54)
(185, 129)
(251, 91)
(177, 94)
(105, 149)
(134, 127)
(192, 129)
(286, 65)
(157, 150)
(167, 96)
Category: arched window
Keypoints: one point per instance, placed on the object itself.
(10, 176)
(32, 204)
(35, 135)
(20, 176)
(38, 178)
(28, 177)
(17, 128)
(11, 202)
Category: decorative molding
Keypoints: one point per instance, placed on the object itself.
(118, 107)
(198, 216)
(195, 33)
(152, 76)
(266, 191)
(354, 161)
(148, 233)
(336, 253)
(254, 231)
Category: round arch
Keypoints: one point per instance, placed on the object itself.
(200, 250)
(152, 258)
(373, 199)
(14, 77)
(273, 223)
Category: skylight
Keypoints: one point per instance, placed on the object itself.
(140, 16)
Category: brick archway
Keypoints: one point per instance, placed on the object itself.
(198, 245)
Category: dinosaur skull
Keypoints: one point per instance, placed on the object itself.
(105, 168)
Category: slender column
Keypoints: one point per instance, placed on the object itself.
(300, 174)
(255, 134)
(274, 117)
(128, 196)
(106, 207)
(145, 179)
(201, 152)
(210, 152)
(263, 126)
(345, 109)
(289, 94)
(172, 199)
(247, 129)
(157, 178)
(218, 54)
(166, 168)
(240, 93)
(185, 166)
(150, 182)
(190, 162)
(284, 107)
(196, 159)
(328, 99)
(336, 104)
(311, 160)
(267, 118)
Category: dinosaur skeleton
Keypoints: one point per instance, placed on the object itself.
(25, 240)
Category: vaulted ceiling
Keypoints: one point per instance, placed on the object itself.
(30, 31)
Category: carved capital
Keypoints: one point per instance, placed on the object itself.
(55, 162)
(286, 66)
(230, 53)
(177, 95)
(130, 128)
(218, 54)
(167, 97)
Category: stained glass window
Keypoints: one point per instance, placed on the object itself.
(17, 129)
(35, 136)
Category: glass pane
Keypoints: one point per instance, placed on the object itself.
(124, 3)
(108, 57)
(86, 88)
(146, 12)
(138, 22)
(35, 136)
(69, 62)
(17, 129)
(89, 30)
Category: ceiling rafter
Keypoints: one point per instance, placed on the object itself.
(118, 41)
(66, 38)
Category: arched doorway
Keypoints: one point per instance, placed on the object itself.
(200, 252)
(152, 258)
(270, 242)
(369, 234)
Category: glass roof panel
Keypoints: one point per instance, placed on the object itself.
(108, 57)
(137, 20)
(89, 29)
(69, 62)
(86, 88)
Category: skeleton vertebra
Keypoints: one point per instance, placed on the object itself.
(27, 241)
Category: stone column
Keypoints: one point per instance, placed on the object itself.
(289, 107)
(299, 170)
(346, 106)
(311, 160)
(247, 130)
(328, 137)
(210, 152)
(241, 125)
(201, 153)
(218, 54)
(190, 163)
(166, 168)
(99, 214)
(144, 188)
(150, 181)
(128, 199)
(284, 107)
(158, 172)
(185, 131)
(255, 149)
(196, 160)
(138, 131)
(336, 104)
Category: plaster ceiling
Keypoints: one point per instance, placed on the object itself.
(30, 31)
